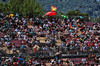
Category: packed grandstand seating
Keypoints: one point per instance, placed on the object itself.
(19, 46)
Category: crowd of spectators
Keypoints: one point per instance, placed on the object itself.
(72, 33)
(30, 61)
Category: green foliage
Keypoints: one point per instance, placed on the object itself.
(1, 7)
(97, 19)
(76, 13)
(91, 20)
(24, 7)
(7, 8)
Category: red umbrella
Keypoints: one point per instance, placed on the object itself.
(50, 13)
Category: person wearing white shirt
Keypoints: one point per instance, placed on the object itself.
(7, 43)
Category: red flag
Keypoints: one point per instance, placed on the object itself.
(50, 13)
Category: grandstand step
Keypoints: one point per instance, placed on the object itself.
(48, 64)
(4, 48)
(59, 41)
(58, 44)
(10, 51)
(42, 39)
(42, 42)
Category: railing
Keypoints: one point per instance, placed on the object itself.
(75, 51)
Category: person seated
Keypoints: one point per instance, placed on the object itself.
(83, 60)
(14, 50)
(23, 48)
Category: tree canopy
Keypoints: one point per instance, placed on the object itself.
(76, 13)
(23, 7)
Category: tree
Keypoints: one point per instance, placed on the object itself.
(76, 13)
(1, 6)
(97, 19)
(7, 8)
(24, 7)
